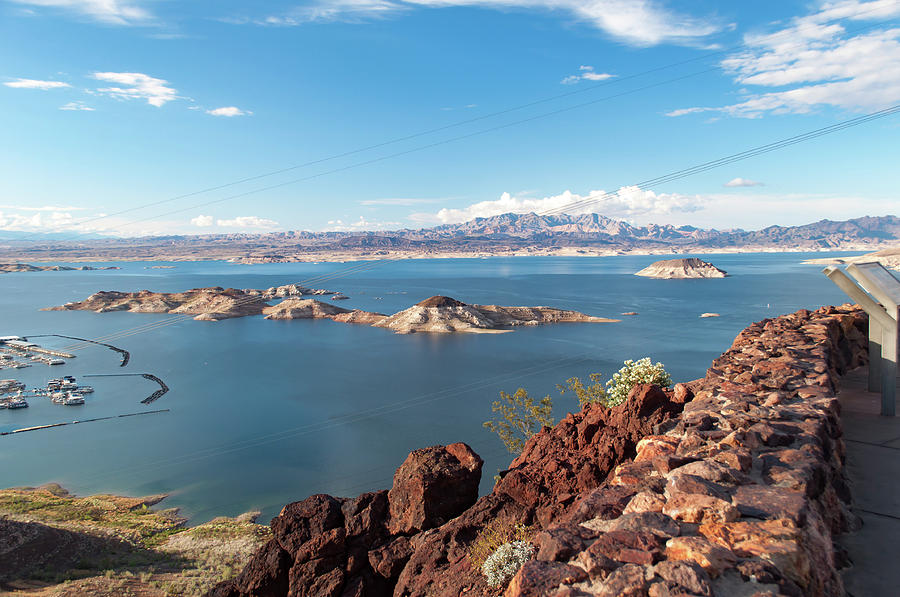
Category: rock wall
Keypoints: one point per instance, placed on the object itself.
(729, 485)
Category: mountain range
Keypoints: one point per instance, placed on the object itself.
(506, 234)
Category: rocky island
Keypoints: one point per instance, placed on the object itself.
(669, 269)
(9, 268)
(442, 314)
(294, 308)
(438, 314)
(208, 304)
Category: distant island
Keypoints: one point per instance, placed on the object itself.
(670, 269)
(503, 235)
(438, 314)
(9, 268)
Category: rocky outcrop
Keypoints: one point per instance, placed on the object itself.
(338, 546)
(728, 485)
(442, 314)
(294, 308)
(669, 269)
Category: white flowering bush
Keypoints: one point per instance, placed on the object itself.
(502, 565)
(631, 374)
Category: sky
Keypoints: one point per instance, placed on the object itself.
(136, 117)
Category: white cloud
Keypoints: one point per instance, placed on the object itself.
(202, 221)
(76, 106)
(814, 62)
(229, 111)
(587, 74)
(637, 22)
(359, 225)
(743, 182)
(628, 202)
(403, 201)
(36, 84)
(246, 222)
(114, 12)
(137, 86)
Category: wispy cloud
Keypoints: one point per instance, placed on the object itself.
(636, 22)
(628, 202)
(113, 12)
(36, 84)
(137, 86)
(402, 201)
(743, 182)
(587, 74)
(229, 112)
(359, 225)
(76, 106)
(815, 62)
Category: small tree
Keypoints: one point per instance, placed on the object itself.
(631, 374)
(585, 394)
(519, 417)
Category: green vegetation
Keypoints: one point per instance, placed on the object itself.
(492, 536)
(585, 394)
(631, 374)
(519, 417)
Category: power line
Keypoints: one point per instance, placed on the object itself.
(439, 129)
(584, 202)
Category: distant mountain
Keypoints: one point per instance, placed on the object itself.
(506, 234)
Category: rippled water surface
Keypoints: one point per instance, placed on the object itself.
(266, 412)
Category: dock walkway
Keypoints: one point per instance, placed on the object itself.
(873, 469)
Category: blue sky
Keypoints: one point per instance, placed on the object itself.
(109, 105)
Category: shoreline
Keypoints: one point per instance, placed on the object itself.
(334, 257)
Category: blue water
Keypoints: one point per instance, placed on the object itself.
(267, 412)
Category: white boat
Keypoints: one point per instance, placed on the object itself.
(16, 403)
(72, 399)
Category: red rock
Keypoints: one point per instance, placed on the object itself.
(388, 560)
(301, 521)
(539, 578)
(712, 558)
(560, 543)
(686, 576)
(432, 486)
(628, 581)
(645, 501)
(765, 501)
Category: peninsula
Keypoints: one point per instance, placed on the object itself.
(669, 269)
(438, 314)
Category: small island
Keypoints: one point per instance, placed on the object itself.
(442, 314)
(671, 269)
(438, 314)
(9, 268)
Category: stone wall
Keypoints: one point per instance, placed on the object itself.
(730, 485)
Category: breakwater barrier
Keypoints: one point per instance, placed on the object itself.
(126, 356)
(163, 388)
(93, 420)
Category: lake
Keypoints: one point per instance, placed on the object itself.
(262, 413)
